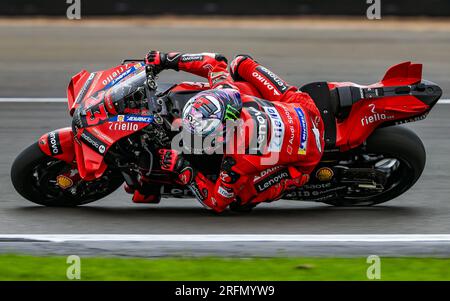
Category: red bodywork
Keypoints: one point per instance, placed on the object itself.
(87, 90)
(368, 114)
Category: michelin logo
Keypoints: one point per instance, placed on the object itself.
(304, 131)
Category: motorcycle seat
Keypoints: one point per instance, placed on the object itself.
(328, 107)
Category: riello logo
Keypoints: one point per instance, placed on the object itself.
(375, 117)
(113, 75)
(123, 126)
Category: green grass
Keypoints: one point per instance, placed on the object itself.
(18, 267)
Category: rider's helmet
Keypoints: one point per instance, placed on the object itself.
(206, 114)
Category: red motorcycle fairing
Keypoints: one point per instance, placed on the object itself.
(58, 144)
(97, 129)
(100, 130)
(85, 84)
(93, 142)
(368, 114)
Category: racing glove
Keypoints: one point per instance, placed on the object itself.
(161, 61)
(172, 161)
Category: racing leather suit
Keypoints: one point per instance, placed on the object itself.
(284, 117)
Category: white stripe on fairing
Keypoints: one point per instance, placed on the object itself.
(58, 99)
(230, 237)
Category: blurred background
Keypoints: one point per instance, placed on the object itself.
(229, 7)
(302, 40)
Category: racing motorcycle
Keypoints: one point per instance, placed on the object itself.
(369, 157)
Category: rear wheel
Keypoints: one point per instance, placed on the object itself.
(392, 145)
(50, 182)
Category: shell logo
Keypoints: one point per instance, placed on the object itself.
(324, 174)
(64, 182)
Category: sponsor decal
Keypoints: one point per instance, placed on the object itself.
(290, 121)
(196, 192)
(191, 58)
(317, 186)
(417, 118)
(110, 78)
(102, 135)
(277, 129)
(289, 149)
(54, 143)
(291, 129)
(316, 133)
(265, 172)
(85, 88)
(132, 118)
(304, 131)
(176, 191)
(266, 83)
(119, 75)
(123, 126)
(225, 192)
(93, 142)
(64, 182)
(324, 174)
(374, 117)
(269, 178)
(231, 113)
(279, 84)
(138, 118)
(261, 124)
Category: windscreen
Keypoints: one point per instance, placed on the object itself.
(129, 87)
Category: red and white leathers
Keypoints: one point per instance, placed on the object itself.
(285, 118)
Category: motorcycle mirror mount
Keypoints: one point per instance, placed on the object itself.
(150, 89)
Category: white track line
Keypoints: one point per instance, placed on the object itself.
(230, 238)
(58, 99)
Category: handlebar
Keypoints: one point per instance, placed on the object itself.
(132, 60)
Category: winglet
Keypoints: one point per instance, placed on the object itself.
(406, 70)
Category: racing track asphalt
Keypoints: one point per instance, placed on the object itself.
(37, 61)
(423, 209)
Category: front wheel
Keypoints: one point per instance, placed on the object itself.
(50, 182)
(395, 144)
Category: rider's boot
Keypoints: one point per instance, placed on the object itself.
(141, 198)
(147, 194)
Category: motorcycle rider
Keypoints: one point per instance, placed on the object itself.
(286, 123)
